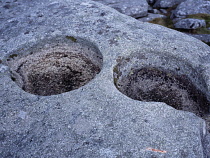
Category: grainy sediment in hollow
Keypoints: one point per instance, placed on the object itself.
(173, 82)
(56, 70)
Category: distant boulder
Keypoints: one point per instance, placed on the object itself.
(192, 7)
(167, 3)
(134, 8)
(190, 23)
(151, 17)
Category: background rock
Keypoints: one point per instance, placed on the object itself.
(167, 3)
(192, 7)
(151, 2)
(134, 8)
(163, 11)
(151, 16)
(203, 37)
(207, 144)
(154, 11)
(190, 23)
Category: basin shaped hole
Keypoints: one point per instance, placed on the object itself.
(158, 85)
(56, 70)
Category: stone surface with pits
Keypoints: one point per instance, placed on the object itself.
(95, 119)
(57, 68)
(173, 83)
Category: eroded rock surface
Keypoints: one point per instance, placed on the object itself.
(192, 7)
(134, 8)
(94, 119)
(190, 23)
(167, 3)
(151, 17)
(66, 64)
(202, 37)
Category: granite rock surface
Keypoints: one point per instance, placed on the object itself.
(202, 37)
(167, 3)
(39, 39)
(189, 7)
(190, 23)
(134, 8)
(151, 17)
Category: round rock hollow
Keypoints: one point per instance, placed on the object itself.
(148, 77)
(58, 66)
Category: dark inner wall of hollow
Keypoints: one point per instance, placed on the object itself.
(153, 84)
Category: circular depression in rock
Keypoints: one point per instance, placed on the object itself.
(56, 66)
(151, 78)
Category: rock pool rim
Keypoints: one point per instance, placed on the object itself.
(55, 66)
(180, 84)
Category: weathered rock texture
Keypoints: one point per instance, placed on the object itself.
(190, 23)
(96, 119)
(151, 1)
(151, 17)
(192, 7)
(134, 8)
(202, 37)
(167, 3)
(62, 66)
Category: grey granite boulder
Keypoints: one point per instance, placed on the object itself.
(203, 37)
(207, 144)
(167, 3)
(154, 11)
(163, 11)
(134, 8)
(68, 77)
(151, 17)
(151, 1)
(190, 23)
(192, 7)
